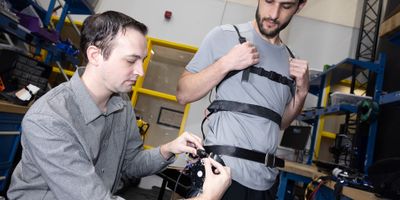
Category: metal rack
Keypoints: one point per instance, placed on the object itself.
(333, 75)
(54, 53)
(13, 28)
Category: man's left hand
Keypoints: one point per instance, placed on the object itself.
(299, 72)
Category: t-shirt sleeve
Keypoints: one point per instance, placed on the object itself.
(208, 52)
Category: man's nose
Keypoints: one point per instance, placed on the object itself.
(274, 12)
(138, 69)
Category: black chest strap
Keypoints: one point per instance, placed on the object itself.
(269, 160)
(233, 106)
(271, 75)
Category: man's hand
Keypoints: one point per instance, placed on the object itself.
(215, 185)
(299, 71)
(185, 143)
(240, 57)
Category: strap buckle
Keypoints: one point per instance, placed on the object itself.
(269, 160)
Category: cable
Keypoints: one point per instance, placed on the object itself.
(320, 181)
(177, 181)
(209, 96)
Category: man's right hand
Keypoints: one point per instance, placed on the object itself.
(216, 182)
(240, 57)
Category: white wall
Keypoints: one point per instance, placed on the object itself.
(191, 19)
(341, 12)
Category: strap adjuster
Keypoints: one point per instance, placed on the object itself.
(273, 75)
(269, 160)
(258, 70)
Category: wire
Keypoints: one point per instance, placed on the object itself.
(177, 181)
(310, 187)
(209, 96)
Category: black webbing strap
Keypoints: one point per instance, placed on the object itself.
(269, 160)
(290, 52)
(241, 38)
(260, 71)
(233, 106)
(232, 73)
(246, 72)
(271, 75)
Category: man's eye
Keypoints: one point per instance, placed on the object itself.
(288, 6)
(131, 61)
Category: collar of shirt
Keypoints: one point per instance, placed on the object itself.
(87, 104)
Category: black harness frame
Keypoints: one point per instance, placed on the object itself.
(269, 160)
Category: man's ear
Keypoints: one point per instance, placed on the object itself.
(301, 6)
(93, 54)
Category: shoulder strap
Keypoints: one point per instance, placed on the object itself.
(232, 73)
(246, 72)
(290, 52)
(241, 38)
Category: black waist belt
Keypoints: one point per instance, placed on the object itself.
(269, 160)
(223, 105)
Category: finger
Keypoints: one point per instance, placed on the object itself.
(187, 149)
(298, 72)
(194, 139)
(207, 167)
(218, 166)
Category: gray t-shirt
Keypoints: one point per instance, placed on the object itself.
(244, 130)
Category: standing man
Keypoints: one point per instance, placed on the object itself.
(81, 137)
(260, 87)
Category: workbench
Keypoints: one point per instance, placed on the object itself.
(306, 173)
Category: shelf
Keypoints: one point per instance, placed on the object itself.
(343, 70)
(12, 108)
(390, 28)
(13, 28)
(390, 25)
(330, 110)
(328, 134)
(390, 98)
(314, 85)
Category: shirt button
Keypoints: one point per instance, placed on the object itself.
(102, 171)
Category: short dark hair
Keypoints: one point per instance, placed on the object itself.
(100, 30)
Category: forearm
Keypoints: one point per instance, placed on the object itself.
(293, 109)
(194, 86)
(146, 162)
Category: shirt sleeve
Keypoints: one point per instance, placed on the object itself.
(139, 162)
(61, 160)
(208, 51)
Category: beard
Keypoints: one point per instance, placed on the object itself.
(273, 32)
